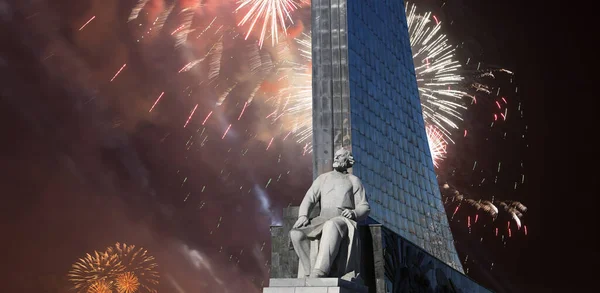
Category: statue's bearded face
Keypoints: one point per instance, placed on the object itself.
(342, 159)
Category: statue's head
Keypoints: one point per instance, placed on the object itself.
(342, 159)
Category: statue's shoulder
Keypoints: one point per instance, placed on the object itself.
(322, 177)
(354, 179)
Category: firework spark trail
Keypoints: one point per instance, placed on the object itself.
(273, 14)
(161, 19)
(190, 65)
(437, 144)
(224, 96)
(135, 12)
(242, 112)
(206, 28)
(215, 60)
(253, 94)
(254, 58)
(270, 142)
(85, 24)
(179, 28)
(117, 74)
(156, 102)
(226, 130)
(207, 116)
(215, 55)
(187, 15)
(190, 117)
(305, 46)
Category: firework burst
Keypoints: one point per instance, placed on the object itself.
(100, 286)
(299, 92)
(513, 208)
(272, 13)
(138, 265)
(437, 70)
(96, 269)
(127, 283)
(122, 266)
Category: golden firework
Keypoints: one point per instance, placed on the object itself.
(127, 283)
(123, 267)
(100, 286)
(94, 270)
(137, 261)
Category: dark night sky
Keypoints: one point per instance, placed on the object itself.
(546, 43)
(56, 145)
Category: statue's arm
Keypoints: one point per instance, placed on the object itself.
(311, 198)
(362, 208)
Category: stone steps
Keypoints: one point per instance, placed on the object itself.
(313, 285)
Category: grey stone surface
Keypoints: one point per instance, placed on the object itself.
(279, 290)
(312, 289)
(316, 285)
(308, 290)
(373, 270)
(287, 282)
(284, 261)
(331, 104)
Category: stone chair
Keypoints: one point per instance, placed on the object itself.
(284, 261)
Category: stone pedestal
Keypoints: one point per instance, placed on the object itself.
(320, 285)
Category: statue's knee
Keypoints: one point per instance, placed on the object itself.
(329, 225)
(296, 235)
(332, 226)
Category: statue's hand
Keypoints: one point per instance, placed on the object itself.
(301, 222)
(349, 214)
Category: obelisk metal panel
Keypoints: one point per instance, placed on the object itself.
(331, 104)
(363, 73)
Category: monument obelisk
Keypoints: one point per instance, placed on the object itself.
(365, 99)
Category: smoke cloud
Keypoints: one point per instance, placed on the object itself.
(86, 164)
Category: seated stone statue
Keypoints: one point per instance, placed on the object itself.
(328, 245)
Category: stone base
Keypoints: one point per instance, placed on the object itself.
(316, 285)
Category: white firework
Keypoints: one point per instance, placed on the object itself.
(437, 72)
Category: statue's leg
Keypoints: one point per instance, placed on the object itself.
(301, 245)
(331, 238)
